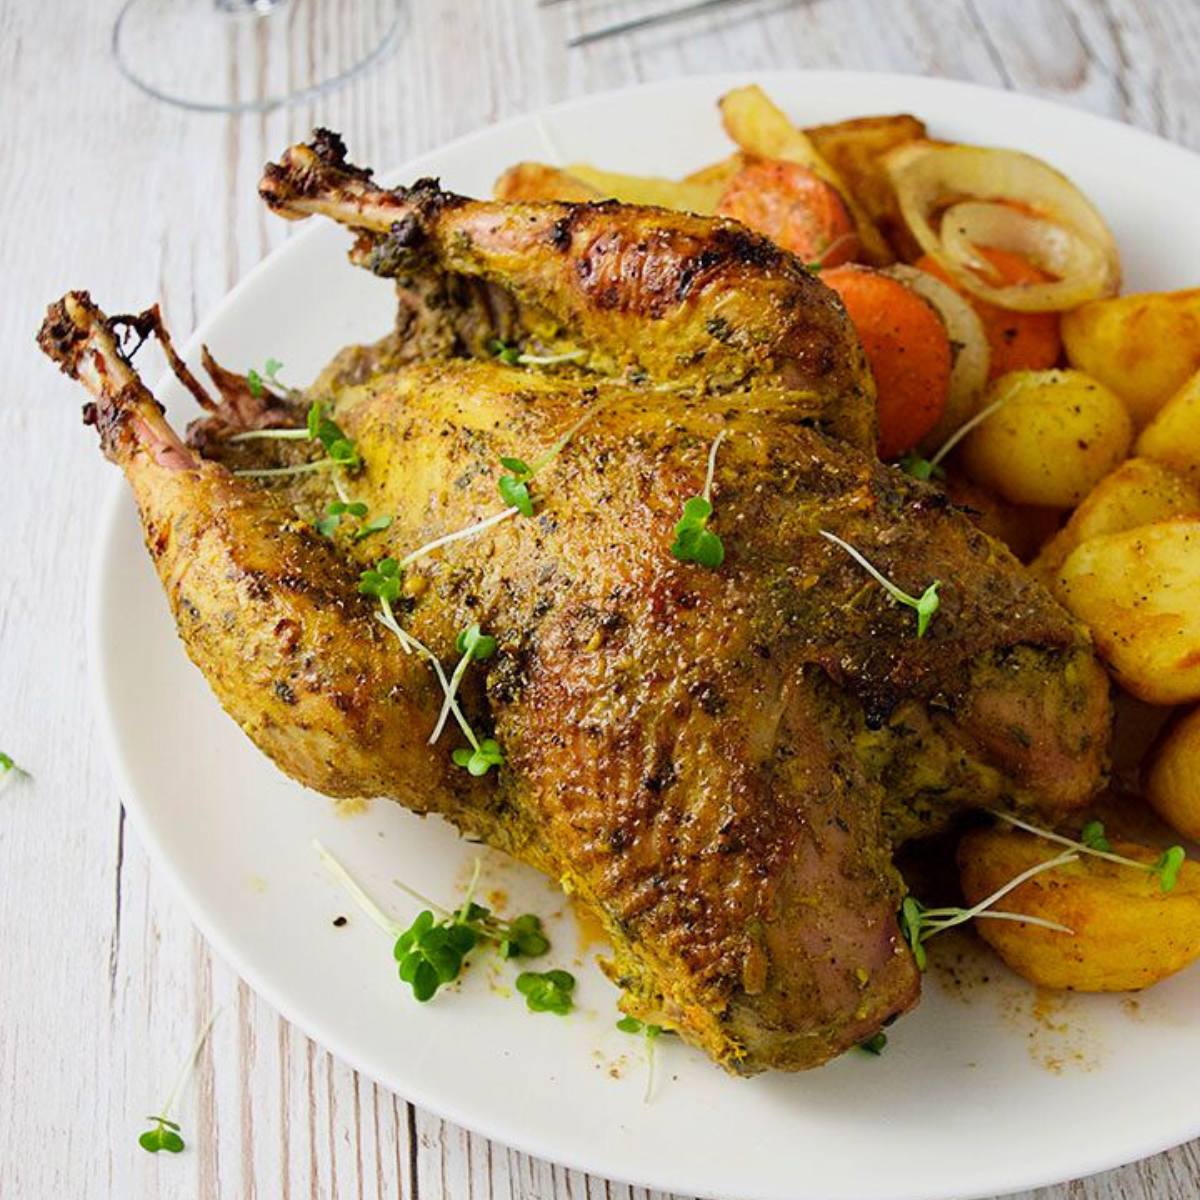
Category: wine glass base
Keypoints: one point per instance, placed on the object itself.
(249, 55)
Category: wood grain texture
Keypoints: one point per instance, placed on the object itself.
(103, 980)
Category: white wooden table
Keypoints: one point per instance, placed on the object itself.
(103, 979)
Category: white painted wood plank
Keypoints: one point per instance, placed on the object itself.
(103, 981)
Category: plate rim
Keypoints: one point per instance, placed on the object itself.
(117, 500)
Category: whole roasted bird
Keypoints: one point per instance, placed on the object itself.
(718, 762)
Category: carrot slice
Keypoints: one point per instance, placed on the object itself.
(795, 208)
(907, 347)
(1019, 341)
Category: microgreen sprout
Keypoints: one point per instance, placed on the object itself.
(694, 541)
(475, 646)
(1092, 840)
(164, 1133)
(913, 464)
(270, 373)
(874, 1044)
(374, 525)
(432, 951)
(10, 771)
(918, 923)
(650, 1034)
(926, 604)
(327, 524)
(547, 991)
(340, 451)
(920, 468)
(480, 757)
(514, 487)
(383, 581)
(512, 356)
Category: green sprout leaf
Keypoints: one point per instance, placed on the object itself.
(547, 991)
(375, 525)
(874, 1044)
(926, 604)
(920, 468)
(1168, 866)
(523, 938)
(630, 1025)
(508, 354)
(479, 759)
(515, 493)
(475, 644)
(431, 954)
(432, 951)
(694, 541)
(256, 382)
(910, 927)
(10, 771)
(164, 1136)
(381, 581)
(1092, 836)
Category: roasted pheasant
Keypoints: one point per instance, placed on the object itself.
(719, 763)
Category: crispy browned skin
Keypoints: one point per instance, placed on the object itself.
(685, 747)
(646, 293)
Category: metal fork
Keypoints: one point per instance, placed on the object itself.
(662, 17)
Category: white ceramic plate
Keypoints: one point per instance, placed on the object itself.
(979, 1092)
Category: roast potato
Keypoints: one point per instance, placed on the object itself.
(1055, 436)
(1139, 492)
(1139, 594)
(1143, 346)
(853, 149)
(1127, 933)
(1171, 778)
(1173, 437)
(681, 195)
(537, 181)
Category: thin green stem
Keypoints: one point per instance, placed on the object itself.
(443, 912)
(322, 464)
(549, 360)
(712, 465)
(340, 488)
(468, 899)
(977, 420)
(546, 457)
(1079, 847)
(457, 535)
(883, 581)
(287, 435)
(393, 928)
(451, 692)
(388, 619)
(188, 1062)
(963, 915)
